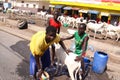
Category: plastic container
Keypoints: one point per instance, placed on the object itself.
(86, 62)
(65, 25)
(99, 62)
(45, 76)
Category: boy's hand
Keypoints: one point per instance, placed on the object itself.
(78, 58)
(39, 74)
(68, 51)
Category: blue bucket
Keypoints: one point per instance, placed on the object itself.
(99, 62)
(86, 62)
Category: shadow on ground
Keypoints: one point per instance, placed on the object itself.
(22, 49)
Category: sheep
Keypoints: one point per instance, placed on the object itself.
(61, 19)
(67, 60)
(109, 31)
(79, 20)
(118, 33)
(15, 10)
(71, 31)
(67, 19)
(96, 27)
(112, 31)
(70, 21)
(42, 14)
(47, 16)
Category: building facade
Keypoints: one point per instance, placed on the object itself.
(28, 5)
(100, 10)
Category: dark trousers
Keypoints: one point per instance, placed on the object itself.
(45, 59)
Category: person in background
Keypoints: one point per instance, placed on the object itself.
(55, 23)
(39, 47)
(81, 41)
(75, 16)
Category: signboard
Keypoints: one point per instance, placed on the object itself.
(113, 1)
(90, 1)
(101, 4)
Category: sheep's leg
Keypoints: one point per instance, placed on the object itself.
(73, 25)
(111, 37)
(57, 67)
(77, 72)
(60, 67)
(106, 35)
(118, 36)
(94, 34)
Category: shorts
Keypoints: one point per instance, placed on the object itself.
(45, 60)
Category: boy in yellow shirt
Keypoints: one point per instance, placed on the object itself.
(39, 47)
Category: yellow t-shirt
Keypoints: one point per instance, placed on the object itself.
(38, 44)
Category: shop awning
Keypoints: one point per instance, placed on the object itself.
(51, 5)
(93, 12)
(83, 11)
(58, 6)
(67, 8)
(115, 14)
(104, 14)
(75, 8)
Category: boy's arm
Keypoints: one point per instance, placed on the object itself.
(53, 52)
(59, 27)
(38, 61)
(40, 70)
(63, 46)
(78, 58)
(58, 30)
(84, 44)
(67, 38)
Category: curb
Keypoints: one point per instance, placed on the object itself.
(14, 33)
